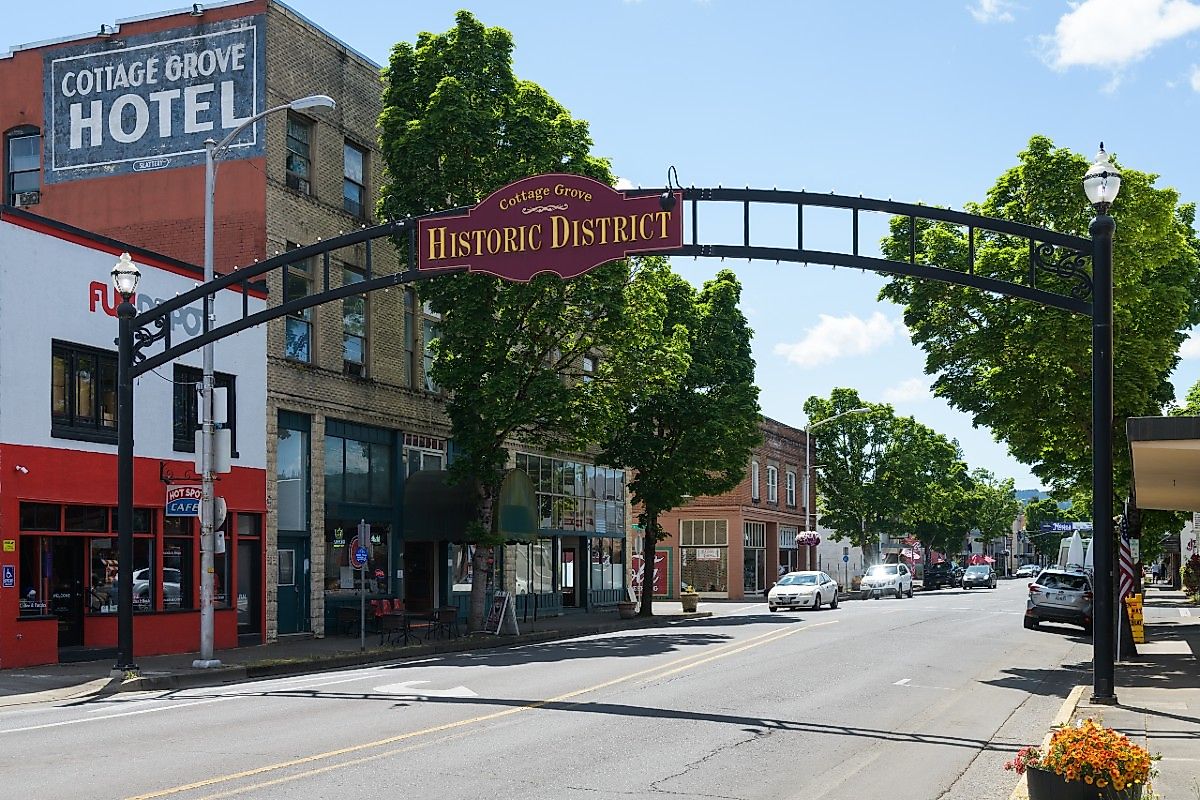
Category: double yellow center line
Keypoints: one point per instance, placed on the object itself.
(652, 673)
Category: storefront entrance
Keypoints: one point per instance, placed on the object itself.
(567, 577)
(52, 583)
(418, 575)
(293, 584)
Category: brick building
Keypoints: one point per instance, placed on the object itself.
(106, 132)
(733, 545)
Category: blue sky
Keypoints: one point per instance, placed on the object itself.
(925, 102)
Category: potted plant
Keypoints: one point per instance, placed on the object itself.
(627, 609)
(689, 597)
(1085, 762)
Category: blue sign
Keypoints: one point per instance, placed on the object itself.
(149, 102)
(360, 557)
(845, 559)
(10, 576)
(183, 501)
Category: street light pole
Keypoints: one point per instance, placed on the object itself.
(125, 277)
(1101, 184)
(208, 427)
(808, 493)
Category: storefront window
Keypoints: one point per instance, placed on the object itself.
(608, 563)
(291, 471)
(102, 593)
(340, 574)
(177, 574)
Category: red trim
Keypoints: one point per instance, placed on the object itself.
(49, 228)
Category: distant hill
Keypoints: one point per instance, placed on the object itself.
(1029, 495)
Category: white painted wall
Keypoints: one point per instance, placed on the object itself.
(51, 288)
(829, 558)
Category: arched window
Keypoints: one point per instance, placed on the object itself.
(22, 166)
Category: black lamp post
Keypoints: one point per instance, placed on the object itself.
(125, 277)
(1101, 184)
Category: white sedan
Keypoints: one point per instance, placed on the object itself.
(802, 590)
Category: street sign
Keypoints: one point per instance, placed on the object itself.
(360, 557)
(183, 501)
(10, 576)
(845, 559)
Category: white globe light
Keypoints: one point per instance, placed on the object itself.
(1102, 181)
(125, 275)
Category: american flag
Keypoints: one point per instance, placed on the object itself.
(1125, 558)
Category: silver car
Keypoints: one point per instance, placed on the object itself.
(1060, 595)
(803, 590)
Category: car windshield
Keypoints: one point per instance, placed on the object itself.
(801, 580)
(977, 570)
(880, 570)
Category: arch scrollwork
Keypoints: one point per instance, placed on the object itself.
(1069, 265)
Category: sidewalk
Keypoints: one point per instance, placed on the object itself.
(1158, 695)
(297, 655)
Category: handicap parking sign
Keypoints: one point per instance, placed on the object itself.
(10, 576)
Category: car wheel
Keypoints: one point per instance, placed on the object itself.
(817, 602)
(965, 587)
(773, 609)
(899, 592)
(833, 602)
(1031, 623)
(910, 591)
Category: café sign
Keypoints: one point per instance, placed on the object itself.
(144, 103)
(561, 224)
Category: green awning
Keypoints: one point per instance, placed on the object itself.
(436, 510)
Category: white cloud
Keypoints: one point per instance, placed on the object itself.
(623, 184)
(836, 337)
(1195, 78)
(909, 391)
(1113, 33)
(1190, 347)
(991, 11)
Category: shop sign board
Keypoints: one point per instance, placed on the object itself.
(554, 223)
(183, 501)
(708, 554)
(148, 102)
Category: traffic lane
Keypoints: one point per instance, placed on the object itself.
(339, 711)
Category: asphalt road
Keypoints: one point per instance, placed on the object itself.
(912, 698)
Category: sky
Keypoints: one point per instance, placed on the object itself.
(918, 102)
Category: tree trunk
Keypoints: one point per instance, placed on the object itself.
(479, 561)
(648, 544)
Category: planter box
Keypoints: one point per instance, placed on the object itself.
(627, 610)
(1046, 785)
(690, 600)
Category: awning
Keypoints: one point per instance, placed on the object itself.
(1166, 462)
(435, 510)
(978, 559)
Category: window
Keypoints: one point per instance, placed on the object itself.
(292, 471)
(353, 183)
(791, 488)
(299, 164)
(354, 327)
(576, 497)
(297, 284)
(177, 576)
(423, 452)
(23, 166)
(772, 485)
(358, 469)
(410, 336)
(754, 495)
(589, 368)
(83, 393)
(431, 334)
(703, 533)
(189, 385)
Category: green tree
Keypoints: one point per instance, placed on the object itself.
(1047, 510)
(941, 517)
(994, 504)
(1024, 371)
(694, 435)
(456, 125)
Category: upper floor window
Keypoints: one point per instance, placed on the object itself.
(83, 393)
(186, 414)
(791, 488)
(354, 191)
(772, 485)
(297, 334)
(589, 368)
(754, 495)
(23, 166)
(430, 331)
(354, 327)
(299, 155)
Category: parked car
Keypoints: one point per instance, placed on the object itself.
(956, 572)
(802, 590)
(1027, 571)
(979, 575)
(1060, 595)
(883, 579)
(937, 575)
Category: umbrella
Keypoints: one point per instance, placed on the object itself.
(1087, 556)
(1075, 551)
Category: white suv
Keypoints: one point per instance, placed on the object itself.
(883, 579)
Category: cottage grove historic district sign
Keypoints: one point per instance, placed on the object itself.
(562, 224)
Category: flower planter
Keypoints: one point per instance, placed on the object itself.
(1047, 785)
(627, 610)
(690, 601)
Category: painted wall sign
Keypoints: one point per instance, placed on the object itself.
(183, 501)
(148, 102)
(561, 224)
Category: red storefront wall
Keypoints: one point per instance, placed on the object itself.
(51, 475)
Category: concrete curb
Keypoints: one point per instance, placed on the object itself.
(1063, 717)
(235, 673)
(94, 688)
